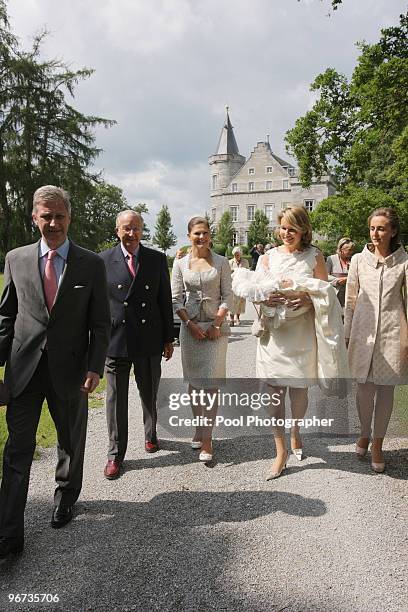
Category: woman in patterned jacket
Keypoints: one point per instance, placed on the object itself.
(376, 328)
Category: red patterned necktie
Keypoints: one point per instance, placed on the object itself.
(131, 265)
(50, 280)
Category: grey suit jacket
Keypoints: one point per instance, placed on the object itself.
(76, 333)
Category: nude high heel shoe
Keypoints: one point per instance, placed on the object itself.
(272, 475)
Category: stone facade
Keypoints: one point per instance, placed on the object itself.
(264, 181)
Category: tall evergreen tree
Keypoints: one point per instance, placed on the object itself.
(225, 231)
(43, 138)
(258, 231)
(210, 222)
(164, 237)
(142, 209)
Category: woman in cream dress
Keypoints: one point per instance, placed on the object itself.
(375, 320)
(287, 355)
(239, 303)
(205, 279)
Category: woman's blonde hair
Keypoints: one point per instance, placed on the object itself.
(297, 217)
(345, 241)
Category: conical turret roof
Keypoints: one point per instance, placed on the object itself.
(227, 145)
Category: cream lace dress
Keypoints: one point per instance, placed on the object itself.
(287, 355)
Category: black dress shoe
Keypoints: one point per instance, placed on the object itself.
(10, 546)
(61, 516)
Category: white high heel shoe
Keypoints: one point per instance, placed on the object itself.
(205, 457)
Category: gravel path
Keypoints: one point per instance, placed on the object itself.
(172, 534)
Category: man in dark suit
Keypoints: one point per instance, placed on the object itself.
(142, 332)
(256, 253)
(54, 332)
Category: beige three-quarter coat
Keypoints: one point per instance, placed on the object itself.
(375, 317)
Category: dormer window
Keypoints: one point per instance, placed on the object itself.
(291, 171)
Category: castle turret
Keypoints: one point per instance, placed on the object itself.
(227, 161)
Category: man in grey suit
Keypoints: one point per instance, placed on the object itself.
(54, 333)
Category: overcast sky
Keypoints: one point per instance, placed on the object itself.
(165, 69)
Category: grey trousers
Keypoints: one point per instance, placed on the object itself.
(23, 413)
(147, 372)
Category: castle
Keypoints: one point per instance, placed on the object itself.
(262, 182)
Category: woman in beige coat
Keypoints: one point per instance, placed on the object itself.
(376, 328)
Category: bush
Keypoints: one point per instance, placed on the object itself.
(219, 249)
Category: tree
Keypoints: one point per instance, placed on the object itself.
(225, 231)
(164, 237)
(43, 138)
(346, 214)
(210, 225)
(142, 209)
(258, 231)
(358, 129)
(93, 221)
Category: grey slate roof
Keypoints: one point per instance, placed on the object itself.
(227, 145)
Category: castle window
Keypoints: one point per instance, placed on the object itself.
(269, 211)
(234, 187)
(309, 204)
(251, 186)
(214, 181)
(234, 213)
(234, 238)
(291, 171)
(268, 184)
(251, 170)
(213, 214)
(250, 213)
(285, 184)
(269, 169)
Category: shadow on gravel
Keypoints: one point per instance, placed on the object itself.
(243, 449)
(175, 552)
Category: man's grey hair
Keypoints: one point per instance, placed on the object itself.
(128, 212)
(50, 193)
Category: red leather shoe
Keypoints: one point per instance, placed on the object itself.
(151, 447)
(112, 469)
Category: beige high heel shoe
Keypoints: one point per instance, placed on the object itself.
(272, 475)
(361, 451)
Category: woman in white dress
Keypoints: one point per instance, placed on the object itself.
(376, 329)
(236, 263)
(202, 296)
(287, 355)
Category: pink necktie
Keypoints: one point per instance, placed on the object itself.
(50, 280)
(131, 265)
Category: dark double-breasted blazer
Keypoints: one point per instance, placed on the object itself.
(141, 307)
(75, 333)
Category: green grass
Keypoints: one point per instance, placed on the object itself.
(401, 407)
(1, 283)
(46, 434)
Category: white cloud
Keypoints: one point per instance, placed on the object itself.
(165, 70)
